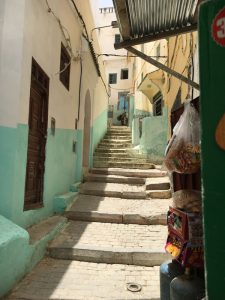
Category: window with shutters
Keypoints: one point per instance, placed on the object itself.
(157, 105)
(124, 74)
(112, 78)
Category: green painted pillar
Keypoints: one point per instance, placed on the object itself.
(212, 83)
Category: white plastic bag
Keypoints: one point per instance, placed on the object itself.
(183, 150)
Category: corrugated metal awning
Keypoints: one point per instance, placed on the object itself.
(143, 21)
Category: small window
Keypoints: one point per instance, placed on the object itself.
(124, 74)
(112, 78)
(157, 105)
(117, 38)
(65, 60)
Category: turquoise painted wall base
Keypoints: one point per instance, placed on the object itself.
(62, 167)
(17, 255)
(153, 140)
(98, 131)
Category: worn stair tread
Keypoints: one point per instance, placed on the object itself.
(125, 165)
(130, 172)
(61, 279)
(114, 179)
(117, 210)
(114, 190)
(122, 159)
(111, 140)
(111, 243)
(109, 150)
(160, 183)
(113, 146)
(160, 194)
(118, 154)
(117, 136)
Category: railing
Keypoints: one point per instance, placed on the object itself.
(106, 10)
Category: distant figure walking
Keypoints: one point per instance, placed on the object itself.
(123, 118)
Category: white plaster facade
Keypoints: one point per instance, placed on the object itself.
(28, 30)
(105, 16)
(142, 68)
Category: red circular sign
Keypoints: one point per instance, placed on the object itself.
(218, 28)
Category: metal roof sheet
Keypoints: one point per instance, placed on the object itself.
(155, 19)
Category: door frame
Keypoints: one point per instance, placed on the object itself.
(40, 83)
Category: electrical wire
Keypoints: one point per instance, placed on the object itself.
(65, 67)
(98, 28)
(63, 30)
(120, 55)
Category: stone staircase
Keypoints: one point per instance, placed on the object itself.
(119, 216)
(115, 151)
(116, 229)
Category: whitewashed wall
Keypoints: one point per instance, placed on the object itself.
(28, 29)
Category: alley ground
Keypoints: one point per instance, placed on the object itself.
(115, 234)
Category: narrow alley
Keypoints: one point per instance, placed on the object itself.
(112, 140)
(115, 233)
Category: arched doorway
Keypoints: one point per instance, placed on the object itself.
(87, 129)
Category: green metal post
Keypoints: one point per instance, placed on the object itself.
(212, 87)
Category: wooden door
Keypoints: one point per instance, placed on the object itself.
(38, 122)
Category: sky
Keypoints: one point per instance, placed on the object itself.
(105, 3)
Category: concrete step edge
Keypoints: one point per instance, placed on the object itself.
(123, 159)
(113, 179)
(123, 165)
(133, 256)
(114, 194)
(154, 173)
(159, 194)
(119, 218)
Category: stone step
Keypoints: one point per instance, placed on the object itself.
(117, 136)
(108, 150)
(116, 210)
(162, 183)
(114, 179)
(129, 172)
(125, 191)
(119, 129)
(110, 243)
(116, 190)
(119, 133)
(116, 158)
(118, 154)
(72, 280)
(126, 165)
(113, 145)
(159, 194)
(116, 141)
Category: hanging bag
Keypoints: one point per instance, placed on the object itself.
(183, 150)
